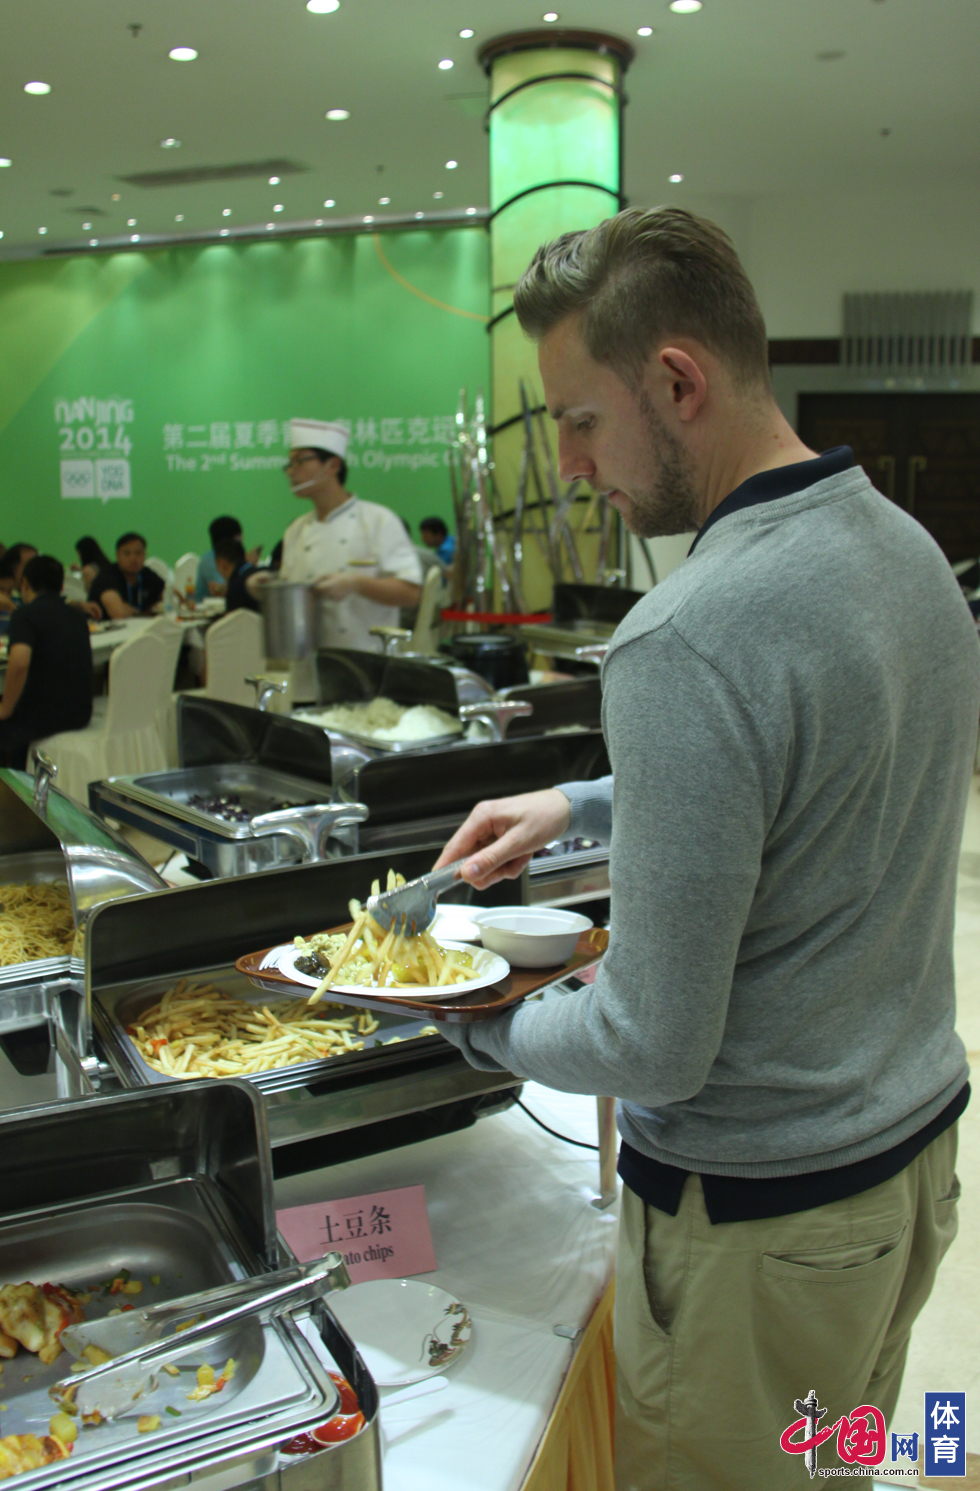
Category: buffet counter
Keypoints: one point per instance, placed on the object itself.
(518, 1240)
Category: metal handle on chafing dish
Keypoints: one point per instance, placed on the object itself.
(496, 713)
(45, 772)
(390, 637)
(592, 654)
(311, 825)
(265, 688)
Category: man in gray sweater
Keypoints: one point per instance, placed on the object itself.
(791, 720)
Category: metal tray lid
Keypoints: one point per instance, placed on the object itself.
(99, 865)
(63, 1151)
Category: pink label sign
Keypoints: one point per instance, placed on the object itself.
(382, 1236)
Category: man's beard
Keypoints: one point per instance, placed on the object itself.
(670, 505)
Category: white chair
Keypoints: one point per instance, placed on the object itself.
(425, 632)
(185, 573)
(162, 568)
(234, 651)
(131, 736)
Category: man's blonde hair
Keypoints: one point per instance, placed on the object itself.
(642, 278)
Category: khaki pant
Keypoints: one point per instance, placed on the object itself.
(719, 1328)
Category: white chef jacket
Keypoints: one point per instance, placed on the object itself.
(360, 534)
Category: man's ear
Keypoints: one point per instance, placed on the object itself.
(688, 384)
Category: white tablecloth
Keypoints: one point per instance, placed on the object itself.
(517, 1240)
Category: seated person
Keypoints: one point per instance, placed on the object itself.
(435, 535)
(127, 588)
(209, 581)
(49, 667)
(234, 568)
(11, 569)
(91, 560)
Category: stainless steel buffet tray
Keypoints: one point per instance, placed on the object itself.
(139, 948)
(46, 838)
(174, 1185)
(259, 788)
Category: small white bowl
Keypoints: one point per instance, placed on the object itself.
(531, 936)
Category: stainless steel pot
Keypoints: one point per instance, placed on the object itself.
(289, 612)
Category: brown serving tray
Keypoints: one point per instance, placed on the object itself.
(478, 1004)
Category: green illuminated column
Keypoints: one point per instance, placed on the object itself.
(556, 164)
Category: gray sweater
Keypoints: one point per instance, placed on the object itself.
(791, 719)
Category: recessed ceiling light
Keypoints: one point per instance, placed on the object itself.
(92, 243)
(268, 226)
(471, 212)
(278, 207)
(330, 202)
(182, 54)
(226, 212)
(319, 222)
(130, 222)
(383, 201)
(4, 161)
(829, 56)
(685, 7)
(451, 165)
(42, 230)
(676, 177)
(467, 32)
(179, 218)
(338, 113)
(644, 30)
(369, 218)
(437, 195)
(37, 88)
(134, 238)
(86, 227)
(223, 232)
(420, 214)
(1, 234)
(322, 7)
(273, 180)
(550, 15)
(115, 196)
(170, 143)
(445, 64)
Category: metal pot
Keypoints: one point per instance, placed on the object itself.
(495, 656)
(289, 612)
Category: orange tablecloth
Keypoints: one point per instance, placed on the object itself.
(576, 1452)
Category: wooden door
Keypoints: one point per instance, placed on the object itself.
(921, 450)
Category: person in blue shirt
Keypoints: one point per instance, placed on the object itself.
(435, 535)
(209, 581)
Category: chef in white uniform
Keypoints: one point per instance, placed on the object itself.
(357, 555)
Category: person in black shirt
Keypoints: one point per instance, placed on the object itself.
(127, 588)
(234, 568)
(11, 569)
(48, 687)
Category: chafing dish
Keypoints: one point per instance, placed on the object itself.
(350, 677)
(584, 619)
(279, 818)
(175, 1185)
(45, 837)
(386, 1094)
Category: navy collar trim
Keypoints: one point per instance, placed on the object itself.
(782, 481)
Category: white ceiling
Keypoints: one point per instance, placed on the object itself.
(734, 97)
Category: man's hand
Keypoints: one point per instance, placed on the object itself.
(502, 836)
(339, 586)
(254, 555)
(255, 582)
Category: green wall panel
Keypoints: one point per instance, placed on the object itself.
(169, 374)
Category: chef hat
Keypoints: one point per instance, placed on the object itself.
(319, 434)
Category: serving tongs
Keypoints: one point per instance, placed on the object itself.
(412, 906)
(136, 1344)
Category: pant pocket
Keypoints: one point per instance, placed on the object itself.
(844, 1264)
(946, 1218)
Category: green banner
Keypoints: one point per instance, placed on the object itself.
(153, 390)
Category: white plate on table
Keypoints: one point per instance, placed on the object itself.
(404, 1329)
(491, 968)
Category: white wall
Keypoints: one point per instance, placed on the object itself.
(803, 252)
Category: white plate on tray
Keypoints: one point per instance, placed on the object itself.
(404, 1329)
(491, 968)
